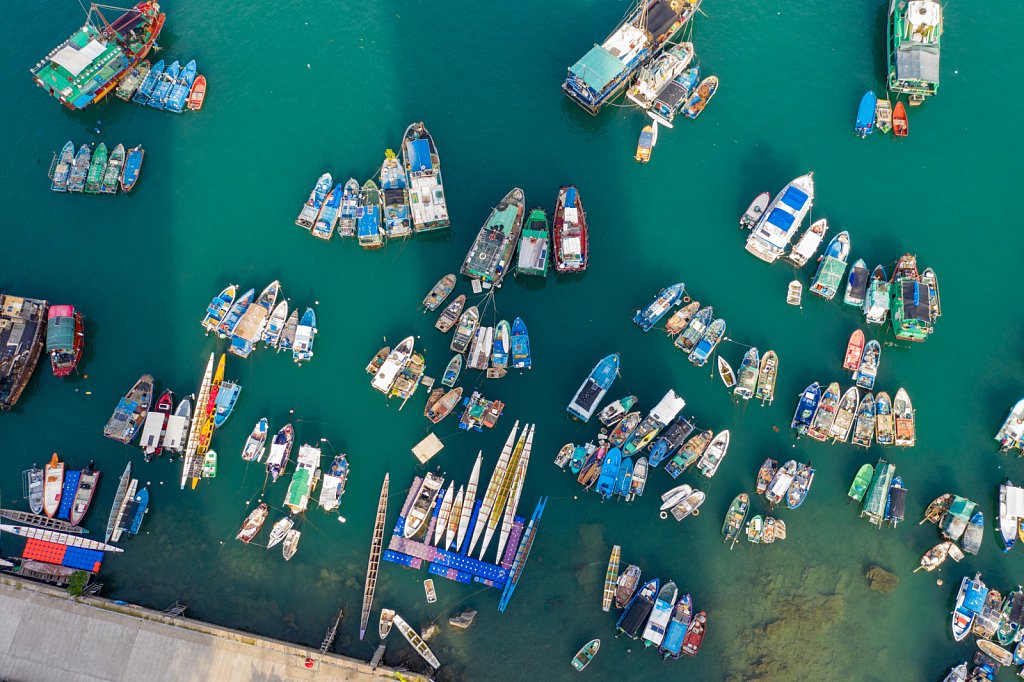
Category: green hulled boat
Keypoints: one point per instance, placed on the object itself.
(734, 518)
(914, 33)
(99, 164)
(534, 245)
(910, 305)
(878, 492)
(112, 174)
(861, 482)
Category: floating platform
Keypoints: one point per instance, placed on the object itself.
(427, 448)
(62, 555)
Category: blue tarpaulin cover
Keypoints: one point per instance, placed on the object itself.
(794, 198)
(570, 197)
(781, 219)
(974, 599)
(418, 155)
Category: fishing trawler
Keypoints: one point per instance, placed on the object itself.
(658, 73)
(91, 63)
(65, 338)
(131, 411)
(913, 33)
(806, 408)
(311, 209)
(594, 387)
(490, 256)
(423, 175)
(603, 72)
(771, 235)
(397, 220)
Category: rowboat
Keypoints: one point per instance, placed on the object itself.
(861, 482)
(755, 210)
(865, 124)
(903, 412)
(748, 374)
(450, 315)
(996, 652)
(387, 619)
(845, 414)
(725, 371)
(586, 654)
(439, 293)
(869, 361)
(614, 412)
(197, 95)
(884, 424)
(864, 426)
(900, 124)
(854, 351)
(938, 554)
(734, 518)
(611, 576)
(937, 509)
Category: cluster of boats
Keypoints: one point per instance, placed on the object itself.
(995, 620)
(696, 332)
(96, 172)
(1011, 433)
(169, 88)
(247, 322)
(786, 484)
(757, 376)
(837, 414)
(909, 298)
(410, 197)
(759, 529)
(490, 257)
(398, 371)
(304, 479)
(960, 520)
(881, 492)
(653, 612)
(876, 113)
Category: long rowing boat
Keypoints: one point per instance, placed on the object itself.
(41, 521)
(58, 538)
(115, 509)
(375, 551)
(611, 578)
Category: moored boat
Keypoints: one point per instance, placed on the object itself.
(767, 375)
(854, 351)
(325, 223)
(714, 454)
(253, 524)
(369, 225)
(689, 453)
(865, 123)
(778, 489)
(586, 654)
(974, 533)
(94, 179)
(594, 387)
(659, 306)
(88, 479)
(112, 173)
(663, 69)
(65, 338)
(287, 338)
(864, 425)
(669, 440)
(1011, 507)
(571, 239)
(422, 165)
(800, 486)
(280, 451)
(657, 623)
(534, 245)
(694, 331)
(502, 345)
(451, 314)
(706, 346)
(290, 544)
(465, 332)
(271, 334)
(227, 325)
(673, 96)
(900, 122)
(397, 219)
(682, 613)
(846, 412)
(700, 97)
(132, 168)
(645, 144)
(765, 475)
(885, 428)
(857, 284)
(387, 619)
(423, 504)
(638, 609)
(130, 83)
(626, 585)
(439, 293)
(180, 90)
(53, 485)
(131, 411)
(782, 218)
(806, 408)
(164, 83)
(197, 93)
(255, 444)
(808, 244)
(903, 413)
(695, 634)
(755, 210)
(726, 373)
(748, 374)
(825, 414)
(969, 602)
(305, 334)
(443, 406)
(681, 318)
(832, 267)
(883, 115)
(861, 482)
(393, 365)
(614, 412)
(311, 209)
(349, 209)
(80, 169)
(868, 368)
(490, 256)
(62, 170)
(451, 372)
(149, 83)
(735, 518)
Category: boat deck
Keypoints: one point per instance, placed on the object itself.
(426, 201)
(533, 253)
(22, 331)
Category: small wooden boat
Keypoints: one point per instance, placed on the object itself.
(450, 315)
(903, 413)
(197, 95)
(795, 293)
(734, 518)
(613, 413)
(845, 414)
(869, 361)
(695, 634)
(748, 374)
(900, 124)
(935, 511)
(861, 482)
(767, 375)
(439, 293)
(681, 318)
(714, 454)
(765, 475)
(854, 351)
(625, 586)
(824, 413)
(452, 371)
(428, 588)
(883, 115)
(990, 648)
(645, 144)
(808, 244)
(866, 114)
(387, 618)
(279, 530)
(253, 524)
(585, 655)
(938, 554)
(495, 372)
(755, 527)
(378, 360)
(725, 371)
(443, 406)
(754, 211)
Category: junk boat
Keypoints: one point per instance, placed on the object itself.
(594, 387)
(913, 33)
(490, 256)
(91, 63)
(65, 338)
(771, 235)
(571, 242)
(603, 72)
(423, 175)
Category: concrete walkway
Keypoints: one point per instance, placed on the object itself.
(45, 636)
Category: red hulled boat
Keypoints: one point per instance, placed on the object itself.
(65, 338)
(572, 242)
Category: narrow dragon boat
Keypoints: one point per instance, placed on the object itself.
(376, 548)
(611, 576)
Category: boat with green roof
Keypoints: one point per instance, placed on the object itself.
(88, 65)
(832, 267)
(99, 164)
(490, 256)
(534, 245)
(914, 44)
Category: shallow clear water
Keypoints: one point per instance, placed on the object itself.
(299, 88)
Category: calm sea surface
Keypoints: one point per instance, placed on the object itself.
(299, 88)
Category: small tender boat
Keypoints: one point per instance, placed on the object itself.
(861, 482)
(725, 371)
(864, 425)
(700, 97)
(693, 331)
(934, 512)
(645, 144)
(996, 652)
(868, 369)
(865, 124)
(681, 318)
(714, 454)
(857, 284)
(255, 444)
(439, 293)
(197, 95)
(846, 412)
(291, 543)
(900, 124)
(755, 210)
(749, 371)
(767, 375)
(452, 371)
(428, 588)
(62, 171)
(974, 533)
(625, 586)
(806, 408)
(903, 412)
(795, 293)
(387, 618)
(501, 345)
(702, 351)
(614, 412)
(586, 654)
(210, 464)
(279, 530)
(765, 475)
(564, 455)
(735, 518)
(132, 168)
(854, 351)
(808, 244)
(935, 556)
(253, 523)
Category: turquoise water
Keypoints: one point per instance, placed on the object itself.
(300, 88)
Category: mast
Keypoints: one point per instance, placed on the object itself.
(503, 491)
(467, 505)
(492, 488)
(192, 444)
(375, 552)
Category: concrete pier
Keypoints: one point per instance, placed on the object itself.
(45, 636)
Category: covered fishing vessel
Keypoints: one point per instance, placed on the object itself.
(594, 387)
(397, 218)
(914, 33)
(280, 451)
(533, 245)
(311, 209)
(771, 235)
(439, 293)
(131, 411)
(571, 240)
(876, 501)
(300, 487)
(89, 64)
(349, 209)
(747, 377)
(490, 256)
(369, 224)
(706, 346)
(465, 333)
(671, 99)
(694, 330)
(832, 267)
(664, 301)
(325, 223)
(911, 304)
(65, 338)
(857, 284)
(423, 177)
(638, 609)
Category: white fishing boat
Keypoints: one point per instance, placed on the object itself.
(376, 547)
(396, 361)
(423, 505)
(773, 232)
(279, 530)
(714, 454)
(808, 244)
(443, 513)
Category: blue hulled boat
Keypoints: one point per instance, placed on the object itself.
(593, 388)
(520, 345)
(136, 511)
(656, 309)
(180, 90)
(624, 477)
(634, 616)
(670, 440)
(806, 408)
(227, 396)
(609, 473)
(866, 114)
(682, 614)
(707, 345)
(397, 219)
(145, 90)
(132, 166)
(67, 494)
(163, 88)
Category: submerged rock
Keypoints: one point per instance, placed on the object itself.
(463, 620)
(430, 631)
(881, 580)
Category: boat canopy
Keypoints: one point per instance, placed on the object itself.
(661, 16)
(961, 508)
(1014, 501)
(780, 219)
(597, 68)
(795, 198)
(75, 59)
(669, 406)
(897, 503)
(418, 155)
(916, 300)
(60, 328)
(917, 64)
(974, 599)
(570, 203)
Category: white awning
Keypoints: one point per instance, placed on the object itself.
(74, 60)
(1014, 501)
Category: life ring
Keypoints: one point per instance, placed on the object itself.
(686, 299)
(663, 515)
(696, 512)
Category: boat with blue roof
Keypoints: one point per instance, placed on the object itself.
(311, 209)
(132, 168)
(865, 124)
(970, 601)
(594, 387)
(706, 346)
(624, 477)
(806, 407)
(656, 309)
(325, 223)
(423, 175)
(224, 404)
(180, 90)
(520, 345)
(780, 221)
(501, 345)
(682, 614)
(369, 227)
(166, 81)
(149, 83)
(603, 72)
(349, 207)
(695, 329)
(609, 473)
(397, 220)
(227, 325)
(305, 333)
